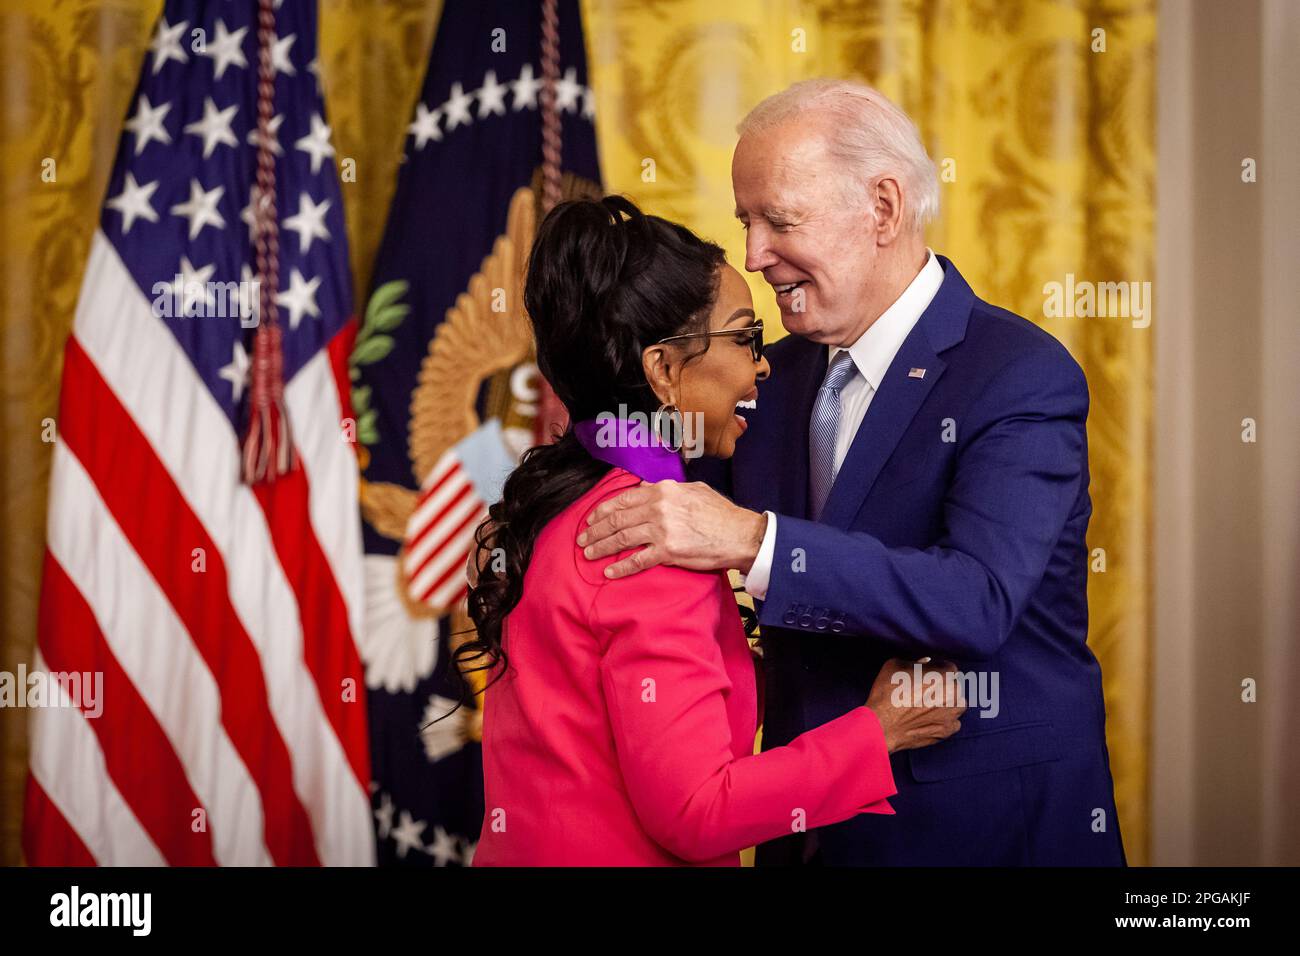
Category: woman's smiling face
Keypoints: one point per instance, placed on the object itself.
(711, 381)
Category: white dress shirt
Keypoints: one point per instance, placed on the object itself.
(872, 353)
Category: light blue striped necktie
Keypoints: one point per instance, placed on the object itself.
(823, 430)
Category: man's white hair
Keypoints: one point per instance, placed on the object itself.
(866, 131)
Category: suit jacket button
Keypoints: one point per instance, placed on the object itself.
(805, 620)
(789, 615)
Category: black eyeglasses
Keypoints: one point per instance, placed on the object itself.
(755, 333)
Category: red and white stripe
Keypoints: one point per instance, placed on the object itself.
(234, 725)
(440, 534)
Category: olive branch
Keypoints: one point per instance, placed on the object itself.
(384, 312)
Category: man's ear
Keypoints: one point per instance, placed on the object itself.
(660, 372)
(887, 202)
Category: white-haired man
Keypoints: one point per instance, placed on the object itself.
(913, 482)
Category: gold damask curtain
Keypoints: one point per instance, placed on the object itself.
(1043, 126)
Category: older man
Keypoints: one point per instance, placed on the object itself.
(913, 482)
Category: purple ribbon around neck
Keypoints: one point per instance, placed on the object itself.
(630, 445)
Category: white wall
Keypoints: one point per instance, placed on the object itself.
(1226, 774)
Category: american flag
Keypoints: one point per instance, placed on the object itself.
(221, 616)
(440, 534)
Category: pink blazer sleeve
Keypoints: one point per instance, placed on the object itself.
(665, 687)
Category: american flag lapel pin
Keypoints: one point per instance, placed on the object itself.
(916, 373)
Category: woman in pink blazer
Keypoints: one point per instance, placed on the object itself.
(619, 721)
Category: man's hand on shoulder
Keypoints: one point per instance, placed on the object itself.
(688, 525)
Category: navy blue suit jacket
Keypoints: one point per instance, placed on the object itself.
(955, 529)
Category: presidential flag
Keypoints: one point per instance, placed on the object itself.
(218, 617)
(445, 386)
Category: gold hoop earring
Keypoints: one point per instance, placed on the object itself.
(676, 425)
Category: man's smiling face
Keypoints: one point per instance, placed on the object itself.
(811, 237)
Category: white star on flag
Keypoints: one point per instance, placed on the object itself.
(190, 286)
(255, 140)
(567, 91)
(425, 126)
(407, 834)
(246, 214)
(166, 44)
(214, 127)
(280, 61)
(201, 208)
(236, 373)
(133, 202)
(443, 849)
(309, 221)
(316, 143)
(384, 817)
(457, 107)
(299, 298)
(226, 48)
(492, 96)
(147, 123)
(525, 88)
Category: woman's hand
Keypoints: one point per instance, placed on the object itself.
(896, 700)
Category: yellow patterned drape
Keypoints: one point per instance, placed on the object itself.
(1051, 145)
